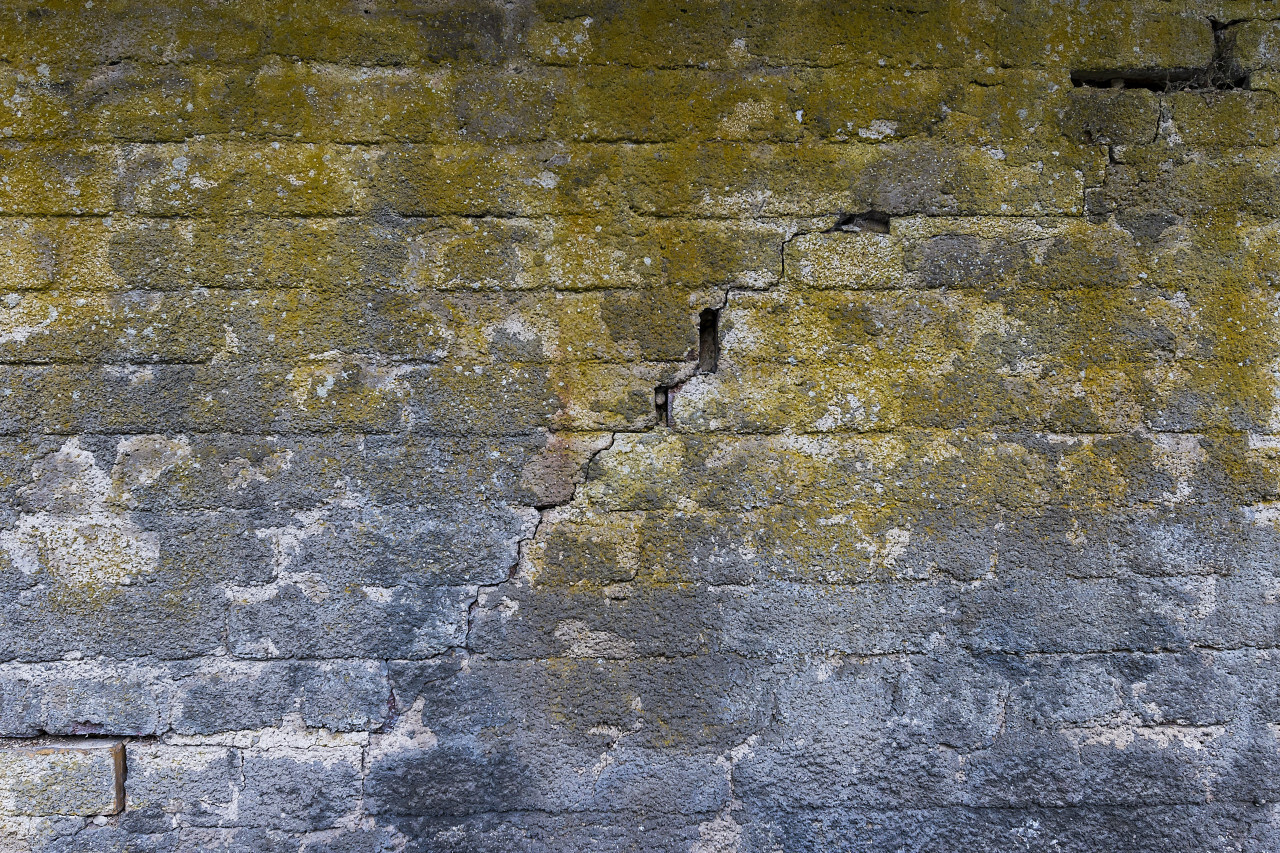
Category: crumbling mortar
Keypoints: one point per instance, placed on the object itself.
(523, 544)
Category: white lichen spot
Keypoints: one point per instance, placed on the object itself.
(878, 129)
(582, 642)
(240, 472)
(77, 538)
(25, 318)
(746, 116)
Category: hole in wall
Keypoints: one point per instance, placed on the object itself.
(662, 404)
(708, 340)
(872, 221)
(1166, 80)
(1222, 74)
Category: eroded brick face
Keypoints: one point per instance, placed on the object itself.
(576, 426)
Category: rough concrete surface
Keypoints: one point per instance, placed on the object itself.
(723, 426)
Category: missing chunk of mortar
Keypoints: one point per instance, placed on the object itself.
(662, 404)
(708, 340)
(872, 221)
(1222, 74)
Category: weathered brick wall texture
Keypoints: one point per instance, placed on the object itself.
(587, 425)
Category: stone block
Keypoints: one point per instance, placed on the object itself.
(62, 777)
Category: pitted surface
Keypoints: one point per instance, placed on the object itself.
(731, 426)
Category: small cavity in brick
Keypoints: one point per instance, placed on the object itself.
(1166, 80)
(873, 221)
(661, 404)
(708, 340)
(1222, 74)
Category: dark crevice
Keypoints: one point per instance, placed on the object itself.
(873, 221)
(708, 340)
(1222, 74)
(1156, 80)
(662, 404)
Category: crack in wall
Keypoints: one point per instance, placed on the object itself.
(1222, 73)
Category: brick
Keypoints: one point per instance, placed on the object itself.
(1237, 181)
(321, 101)
(76, 37)
(224, 178)
(32, 107)
(569, 253)
(78, 698)
(844, 261)
(474, 180)
(654, 35)
(135, 102)
(319, 395)
(458, 31)
(1257, 45)
(218, 696)
(56, 178)
(1111, 117)
(195, 784)
(1226, 121)
(296, 618)
(300, 789)
(63, 777)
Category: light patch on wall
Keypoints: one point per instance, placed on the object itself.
(582, 642)
(20, 318)
(78, 538)
(878, 129)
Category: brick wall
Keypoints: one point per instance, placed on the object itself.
(584, 425)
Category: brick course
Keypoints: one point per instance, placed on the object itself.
(565, 425)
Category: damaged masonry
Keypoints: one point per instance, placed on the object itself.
(575, 426)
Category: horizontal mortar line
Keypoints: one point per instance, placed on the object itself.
(269, 511)
(803, 657)
(1152, 510)
(460, 137)
(389, 218)
(260, 136)
(241, 363)
(766, 662)
(130, 215)
(254, 60)
(381, 216)
(60, 362)
(772, 218)
(844, 809)
(83, 71)
(311, 433)
(538, 145)
(997, 583)
(1190, 649)
(403, 436)
(232, 365)
(533, 431)
(807, 657)
(783, 288)
(1132, 809)
(906, 432)
(996, 431)
(258, 60)
(196, 660)
(261, 60)
(543, 62)
(992, 432)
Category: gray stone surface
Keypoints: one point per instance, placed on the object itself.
(572, 426)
